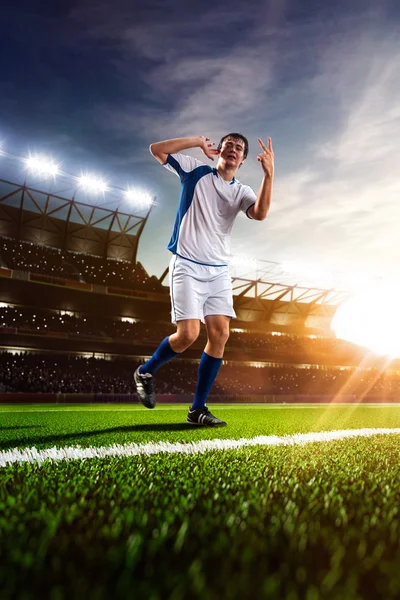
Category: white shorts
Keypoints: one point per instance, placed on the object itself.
(198, 291)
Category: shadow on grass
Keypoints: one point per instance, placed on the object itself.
(19, 427)
(43, 440)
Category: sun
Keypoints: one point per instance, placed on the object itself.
(372, 320)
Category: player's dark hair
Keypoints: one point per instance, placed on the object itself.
(236, 136)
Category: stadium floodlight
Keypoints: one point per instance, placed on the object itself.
(138, 198)
(41, 166)
(92, 184)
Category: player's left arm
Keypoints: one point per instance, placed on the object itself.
(260, 209)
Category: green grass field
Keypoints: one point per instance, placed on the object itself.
(311, 521)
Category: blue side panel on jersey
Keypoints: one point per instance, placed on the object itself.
(189, 181)
(175, 165)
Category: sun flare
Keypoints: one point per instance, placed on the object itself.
(371, 320)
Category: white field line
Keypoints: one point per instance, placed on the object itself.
(33, 455)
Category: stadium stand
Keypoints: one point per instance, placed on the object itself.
(42, 320)
(25, 256)
(25, 319)
(80, 322)
(44, 373)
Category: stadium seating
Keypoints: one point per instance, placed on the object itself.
(43, 373)
(276, 345)
(24, 256)
(283, 361)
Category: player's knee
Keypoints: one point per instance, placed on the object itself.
(188, 336)
(219, 335)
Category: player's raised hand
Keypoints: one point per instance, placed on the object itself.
(207, 147)
(266, 158)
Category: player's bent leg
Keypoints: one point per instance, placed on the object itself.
(186, 334)
(143, 376)
(145, 388)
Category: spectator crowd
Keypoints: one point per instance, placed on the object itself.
(62, 373)
(43, 373)
(34, 258)
(260, 343)
(36, 320)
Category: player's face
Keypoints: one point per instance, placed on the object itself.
(232, 151)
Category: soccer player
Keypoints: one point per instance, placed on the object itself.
(200, 283)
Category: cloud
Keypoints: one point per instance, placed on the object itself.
(198, 70)
(203, 95)
(327, 90)
(341, 205)
(372, 110)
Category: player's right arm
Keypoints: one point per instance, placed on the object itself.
(160, 150)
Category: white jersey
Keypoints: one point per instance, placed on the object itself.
(207, 210)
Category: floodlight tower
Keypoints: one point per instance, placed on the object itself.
(141, 200)
(119, 226)
(39, 166)
(92, 184)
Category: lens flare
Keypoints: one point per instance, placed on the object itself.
(371, 320)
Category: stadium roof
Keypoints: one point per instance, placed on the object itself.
(268, 280)
(28, 214)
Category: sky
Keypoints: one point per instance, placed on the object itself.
(93, 83)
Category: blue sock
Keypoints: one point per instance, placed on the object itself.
(163, 354)
(208, 370)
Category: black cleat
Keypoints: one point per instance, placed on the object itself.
(204, 417)
(145, 388)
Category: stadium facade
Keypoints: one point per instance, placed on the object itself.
(63, 257)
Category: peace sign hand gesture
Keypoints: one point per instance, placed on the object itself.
(266, 158)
